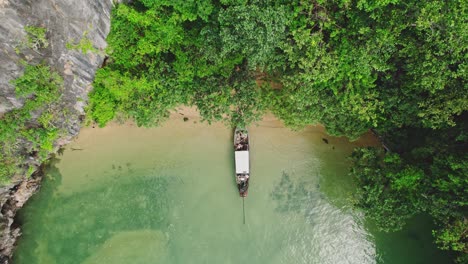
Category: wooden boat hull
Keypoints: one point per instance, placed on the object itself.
(242, 160)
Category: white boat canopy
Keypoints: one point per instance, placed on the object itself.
(242, 162)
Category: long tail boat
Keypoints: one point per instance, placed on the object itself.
(241, 153)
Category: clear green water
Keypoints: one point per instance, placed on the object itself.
(167, 195)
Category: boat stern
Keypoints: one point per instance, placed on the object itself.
(242, 181)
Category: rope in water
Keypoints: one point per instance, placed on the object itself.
(243, 208)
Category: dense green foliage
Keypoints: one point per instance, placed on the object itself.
(167, 54)
(396, 66)
(347, 65)
(39, 86)
(426, 172)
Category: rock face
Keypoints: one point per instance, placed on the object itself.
(66, 21)
(12, 200)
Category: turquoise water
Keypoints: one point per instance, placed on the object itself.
(168, 195)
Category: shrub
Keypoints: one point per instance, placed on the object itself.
(36, 37)
(40, 87)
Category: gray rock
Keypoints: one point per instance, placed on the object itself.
(66, 21)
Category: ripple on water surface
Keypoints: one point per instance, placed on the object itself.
(167, 195)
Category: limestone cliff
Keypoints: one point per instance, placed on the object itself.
(66, 21)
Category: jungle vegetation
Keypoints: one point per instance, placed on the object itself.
(397, 67)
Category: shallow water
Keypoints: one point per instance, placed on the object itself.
(124, 194)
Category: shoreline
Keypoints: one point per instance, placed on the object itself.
(268, 120)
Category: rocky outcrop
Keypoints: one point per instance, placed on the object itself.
(12, 200)
(66, 21)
